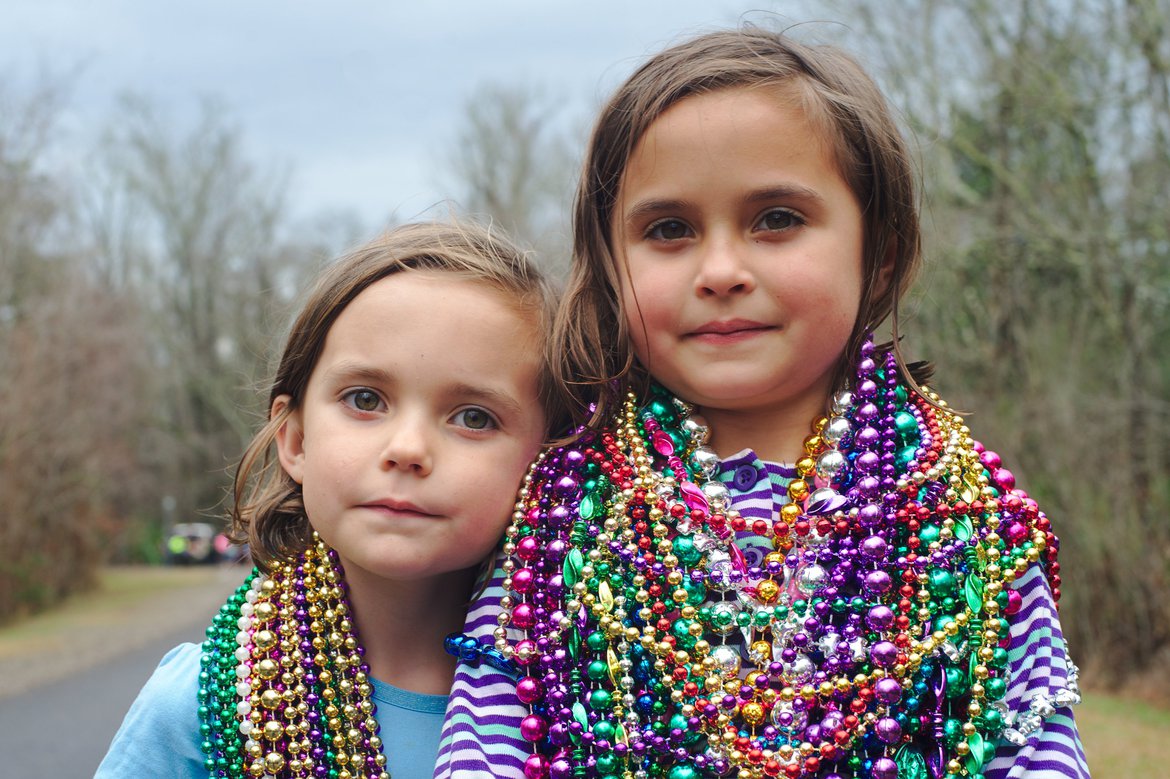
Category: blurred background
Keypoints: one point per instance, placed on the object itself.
(171, 175)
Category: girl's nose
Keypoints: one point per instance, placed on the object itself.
(724, 270)
(408, 447)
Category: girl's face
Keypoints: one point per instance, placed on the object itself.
(418, 423)
(742, 247)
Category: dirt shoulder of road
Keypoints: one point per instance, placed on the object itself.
(132, 606)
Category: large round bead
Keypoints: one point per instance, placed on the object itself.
(273, 730)
(874, 547)
(836, 430)
(842, 402)
(535, 767)
(800, 670)
(523, 616)
(705, 460)
(533, 728)
(560, 768)
(889, 730)
(760, 652)
(811, 578)
(883, 653)
(876, 582)
(888, 690)
(831, 464)
(767, 591)
(529, 689)
(716, 492)
(752, 713)
(727, 661)
(723, 617)
(273, 762)
(696, 427)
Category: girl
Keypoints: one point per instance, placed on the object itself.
(409, 400)
(772, 551)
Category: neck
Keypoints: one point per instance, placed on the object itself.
(775, 434)
(402, 625)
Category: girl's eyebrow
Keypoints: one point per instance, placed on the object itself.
(651, 207)
(785, 192)
(354, 371)
(645, 209)
(496, 399)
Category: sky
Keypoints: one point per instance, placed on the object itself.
(359, 100)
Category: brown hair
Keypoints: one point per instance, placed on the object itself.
(268, 511)
(592, 357)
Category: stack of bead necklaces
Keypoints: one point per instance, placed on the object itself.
(867, 640)
(283, 688)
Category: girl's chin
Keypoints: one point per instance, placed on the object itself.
(770, 395)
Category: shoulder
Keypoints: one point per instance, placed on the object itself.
(159, 736)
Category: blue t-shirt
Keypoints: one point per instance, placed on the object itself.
(160, 735)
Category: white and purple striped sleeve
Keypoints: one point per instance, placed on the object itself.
(1041, 740)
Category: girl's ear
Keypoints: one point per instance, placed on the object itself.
(290, 438)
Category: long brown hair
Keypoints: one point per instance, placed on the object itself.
(267, 509)
(593, 358)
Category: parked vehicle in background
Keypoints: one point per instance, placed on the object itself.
(192, 543)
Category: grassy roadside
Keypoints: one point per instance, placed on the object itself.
(121, 590)
(132, 606)
(1123, 737)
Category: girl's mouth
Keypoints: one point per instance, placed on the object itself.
(728, 330)
(397, 508)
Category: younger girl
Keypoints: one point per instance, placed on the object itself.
(409, 400)
(772, 551)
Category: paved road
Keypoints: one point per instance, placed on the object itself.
(62, 729)
(62, 699)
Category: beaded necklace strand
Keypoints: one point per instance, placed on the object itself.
(283, 688)
(869, 642)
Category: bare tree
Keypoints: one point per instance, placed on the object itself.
(1046, 147)
(70, 353)
(188, 222)
(513, 165)
(32, 201)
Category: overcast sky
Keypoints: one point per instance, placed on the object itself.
(361, 99)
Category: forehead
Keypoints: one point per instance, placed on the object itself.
(442, 317)
(425, 286)
(412, 285)
(794, 95)
(758, 137)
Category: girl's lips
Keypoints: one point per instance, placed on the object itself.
(397, 508)
(729, 331)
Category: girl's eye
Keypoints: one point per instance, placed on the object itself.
(363, 400)
(474, 419)
(779, 220)
(668, 230)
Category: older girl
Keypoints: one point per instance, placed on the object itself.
(772, 551)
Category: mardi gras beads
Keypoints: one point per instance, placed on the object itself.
(865, 638)
(296, 701)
